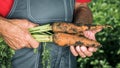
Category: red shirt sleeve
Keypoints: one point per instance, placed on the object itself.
(5, 6)
(83, 1)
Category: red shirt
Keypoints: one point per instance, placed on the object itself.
(5, 6)
(83, 1)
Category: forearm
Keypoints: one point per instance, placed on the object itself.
(77, 5)
(82, 14)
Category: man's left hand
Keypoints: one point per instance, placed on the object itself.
(84, 51)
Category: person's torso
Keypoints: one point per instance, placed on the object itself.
(43, 11)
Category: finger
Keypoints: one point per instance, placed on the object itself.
(17, 46)
(13, 48)
(89, 34)
(92, 49)
(19, 43)
(98, 30)
(33, 43)
(72, 48)
(85, 51)
(28, 46)
(80, 52)
(10, 44)
(92, 36)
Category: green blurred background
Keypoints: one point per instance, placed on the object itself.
(108, 56)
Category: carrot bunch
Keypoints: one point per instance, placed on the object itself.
(65, 34)
(61, 33)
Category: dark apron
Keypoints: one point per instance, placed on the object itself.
(42, 12)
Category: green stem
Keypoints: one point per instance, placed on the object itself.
(40, 29)
(43, 38)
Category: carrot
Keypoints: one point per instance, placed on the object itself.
(66, 28)
(72, 28)
(63, 39)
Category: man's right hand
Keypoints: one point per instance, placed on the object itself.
(16, 35)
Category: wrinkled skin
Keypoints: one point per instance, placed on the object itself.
(82, 50)
(16, 35)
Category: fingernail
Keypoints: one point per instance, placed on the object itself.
(91, 50)
(76, 55)
(83, 56)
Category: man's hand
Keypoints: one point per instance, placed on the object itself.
(82, 50)
(16, 35)
(83, 15)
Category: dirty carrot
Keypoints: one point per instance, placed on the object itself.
(66, 27)
(63, 39)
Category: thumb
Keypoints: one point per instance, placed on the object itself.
(32, 42)
(89, 34)
(96, 31)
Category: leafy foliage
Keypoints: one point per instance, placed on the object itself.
(105, 12)
(6, 54)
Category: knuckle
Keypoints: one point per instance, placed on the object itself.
(18, 48)
(13, 48)
(89, 54)
(22, 46)
(83, 56)
(35, 46)
(28, 46)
